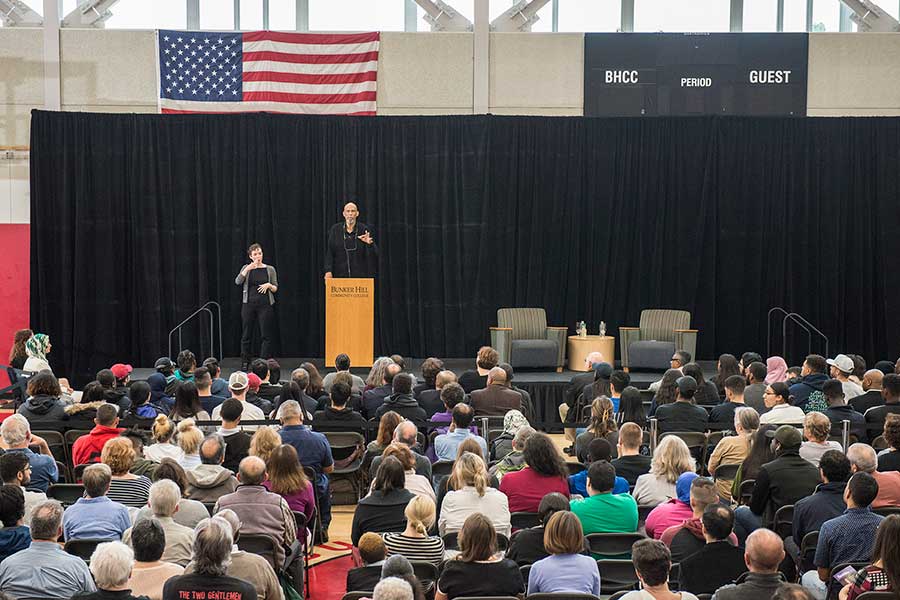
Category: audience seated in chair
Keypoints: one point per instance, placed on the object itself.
(372, 552)
(379, 385)
(44, 400)
(383, 509)
(401, 400)
(16, 437)
(872, 386)
(471, 492)
(679, 509)
(394, 588)
(163, 433)
(430, 399)
(260, 511)
(847, 538)
(890, 392)
(671, 459)
(598, 450)
(652, 563)
(780, 482)
(203, 379)
(237, 441)
(16, 471)
(213, 545)
(87, 448)
(342, 365)
(545, 472)
(501, 445)
(733, 449)
(486, 359)
(763, 555)
(526, 546)
(44, 570)
(338, 410)
(496, 398)
(863, 459)
(479, 569)
(816, 429)
(15, 535)
(515, 460)
(777, 397)
(445, 445)
(566, 569)
(683, 414)
(602, 511)
(150, 573)
(414, 542)
(111, 565)
(164, 497)
(190, 512)
(720, 561)
(209, 481)
(415, 483)
(288, 480)
(405, 433)
(630, 463)
(602, 424)
(734, 400)
(96, 516)
(883, 575)
(125, 487)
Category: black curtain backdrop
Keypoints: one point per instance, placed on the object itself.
(139, 219)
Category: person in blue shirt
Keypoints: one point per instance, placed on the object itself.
(446, 445)
(17, 436)
(599, 449)
(95, 516)
(313, 451)
(566, 569)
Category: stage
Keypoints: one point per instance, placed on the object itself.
(546, 387)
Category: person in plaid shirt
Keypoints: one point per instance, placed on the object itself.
(883, 575)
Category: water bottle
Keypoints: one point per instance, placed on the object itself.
(602, 328)
(582, 329)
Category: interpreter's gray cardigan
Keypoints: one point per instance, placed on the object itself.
(243, 280)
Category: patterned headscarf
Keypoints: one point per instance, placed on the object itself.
(37, 346)
(776, 369)
(513, 421)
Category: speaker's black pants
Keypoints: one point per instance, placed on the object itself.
(263, 314)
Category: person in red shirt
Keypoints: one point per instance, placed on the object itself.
(87, 448)
(545, 473)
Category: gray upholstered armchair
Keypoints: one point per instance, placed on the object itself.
(662, 332)
(523, 339)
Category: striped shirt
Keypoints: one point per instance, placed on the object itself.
(427, 549)
(130, 492)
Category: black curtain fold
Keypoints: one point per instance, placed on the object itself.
(137, 220)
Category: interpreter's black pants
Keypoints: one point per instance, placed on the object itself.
(263, 314)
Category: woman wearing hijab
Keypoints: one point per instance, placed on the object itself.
(776, 370)
(502, 444)
(37, 348)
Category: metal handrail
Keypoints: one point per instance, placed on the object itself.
(205, 308)
(807, 326)
(769, 327)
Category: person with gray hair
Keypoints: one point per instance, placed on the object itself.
(261, 511)
(212, 556)
(150, 573)
(406, 433)
(111, 565)
(515, 460)
(863, 459)
(164, 497)
(95, 516)
(209, 481)
(17, 437)
(45, 570)
(247, 566)
(393, 588)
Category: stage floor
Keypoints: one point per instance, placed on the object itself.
(547, 387)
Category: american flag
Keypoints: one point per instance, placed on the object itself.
(221, 72)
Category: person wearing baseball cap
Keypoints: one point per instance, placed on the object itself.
(675, 511)
(841, 368)
(122, 373)
(165, 367)
(683, 414)
(238, 384)
(780, 482)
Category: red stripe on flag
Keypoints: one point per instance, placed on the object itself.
(172, 111)
(309, 98)
(310, 38)
(310, 59)
(310, 78)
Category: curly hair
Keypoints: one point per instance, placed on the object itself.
(603, 419)
(892, 431)
(430, 368)
(543, 458)
(118, 455)
(44, 384)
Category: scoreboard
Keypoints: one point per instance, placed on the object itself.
(647, 74)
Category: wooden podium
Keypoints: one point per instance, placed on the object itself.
(350, 320)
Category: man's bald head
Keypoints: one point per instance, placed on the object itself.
(350, 206)
(497, 375)
(405, 433)
(764, 552)
(872, 380)
(252, 471)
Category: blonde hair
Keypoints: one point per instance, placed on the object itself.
(469, 469)
(817, 426)
(189, 437)
(163, 429)
(671, 459)
(603, 420)
(264, 442)
(118, 455)
(420, 513)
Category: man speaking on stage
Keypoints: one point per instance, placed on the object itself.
(351, 251)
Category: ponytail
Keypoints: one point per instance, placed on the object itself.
(162, 428)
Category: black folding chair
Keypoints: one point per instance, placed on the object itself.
(524, 520)
(575, 467)
(616, 575)
(83, 549)
(783, 522)
(66, 493)
(613, 544)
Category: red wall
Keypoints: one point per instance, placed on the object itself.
(15, 286)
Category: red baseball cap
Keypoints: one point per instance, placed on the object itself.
(120, 370)
(254, 381)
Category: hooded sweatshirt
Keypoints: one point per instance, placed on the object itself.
(13, 539)
(693, 527)
(404, 405)
(207, 483)
(87, 448)
(43, 408)
(806, 386)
